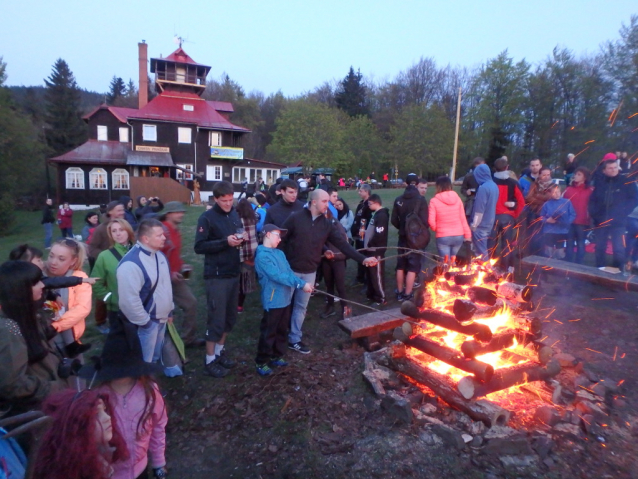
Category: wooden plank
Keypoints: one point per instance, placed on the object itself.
(579, 271)
(372, 323)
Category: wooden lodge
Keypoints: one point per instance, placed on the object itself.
(162, 147)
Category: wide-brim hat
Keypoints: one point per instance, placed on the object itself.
(118, 361)
(174, 207)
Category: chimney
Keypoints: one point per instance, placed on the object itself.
(143, 82)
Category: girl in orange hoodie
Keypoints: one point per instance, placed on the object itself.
(447, 219)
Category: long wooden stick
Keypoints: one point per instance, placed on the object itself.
(456, 136)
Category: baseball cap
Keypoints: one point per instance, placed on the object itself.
(269, 228)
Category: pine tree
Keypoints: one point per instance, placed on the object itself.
(351, 94)
(65, 129)
(117, 89)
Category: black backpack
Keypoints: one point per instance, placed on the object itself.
(417, 233)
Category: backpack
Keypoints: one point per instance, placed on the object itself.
(417, 234)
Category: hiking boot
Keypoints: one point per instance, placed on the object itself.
(329, 311)
(278, 363)
(215, 369)
(225, 360)
(299, 347)
(263, 369)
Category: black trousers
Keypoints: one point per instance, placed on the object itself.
(361, 270)
(375, 281)
(273, 337)
(334, 275)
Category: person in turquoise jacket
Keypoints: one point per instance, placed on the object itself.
(557, 215)
(278, 282)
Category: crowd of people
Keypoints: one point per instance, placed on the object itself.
(109, 410)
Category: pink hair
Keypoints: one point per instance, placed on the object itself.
(69, 449)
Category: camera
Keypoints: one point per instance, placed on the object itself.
(68, 367)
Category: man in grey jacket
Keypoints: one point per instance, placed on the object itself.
(144, 288)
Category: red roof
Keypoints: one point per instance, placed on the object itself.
(169, 106)
(96, 152)
(180, 56)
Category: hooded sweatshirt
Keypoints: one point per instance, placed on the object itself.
(128, 212)
(447, 216)
(484, 212)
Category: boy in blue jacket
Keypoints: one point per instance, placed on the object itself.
(278, 282)
(557, 214)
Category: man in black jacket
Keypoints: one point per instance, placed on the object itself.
(47, 221)
(308, 231)
(375, 242)
(408, 266)
(613, 198)
(469, 187)
(361, 218)
(217, 238)
(287, 204)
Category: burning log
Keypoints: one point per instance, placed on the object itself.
(482, 371)
(505, 378)
(482, 295)
(516, 292)
(460, 278)
(541, 353)
(490, 414)
(464, 309)
(480, 332)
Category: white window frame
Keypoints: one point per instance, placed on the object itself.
(181, 174)
(123, 134)
(184, 135)
(102, 133)
(239, 173)
(98, 179)
(149, 132)
(215, 138)
(74, 178)
(120, 179)
(213, 173)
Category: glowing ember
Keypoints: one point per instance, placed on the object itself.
(442, 293)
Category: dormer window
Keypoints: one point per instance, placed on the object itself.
(102, 133)
(189, 108)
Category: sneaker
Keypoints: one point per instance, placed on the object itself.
(398, 294)
(226, 361)
(104, 328)
(416, 285)
(378, 304)
(299, 347)
(407, 297)
(215, 369)
(263, 369)
(329, 311)
(278, 363)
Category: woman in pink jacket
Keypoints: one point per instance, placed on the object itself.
(66, 259)
(447, 219)
(138, 406)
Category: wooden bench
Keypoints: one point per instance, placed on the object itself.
(541, 265)
(367, 327)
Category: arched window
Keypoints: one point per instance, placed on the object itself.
(120, 179)
(74, 179)
(98, 179)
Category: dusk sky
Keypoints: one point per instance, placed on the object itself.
(294, 46)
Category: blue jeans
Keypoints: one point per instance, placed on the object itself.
(576, 234)
(151, 338)
(299, 306)
(616, 233)
(479, 241)
(449, 245)
(48, 234)
(632, 239)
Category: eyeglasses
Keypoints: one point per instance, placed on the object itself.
(275, 233)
